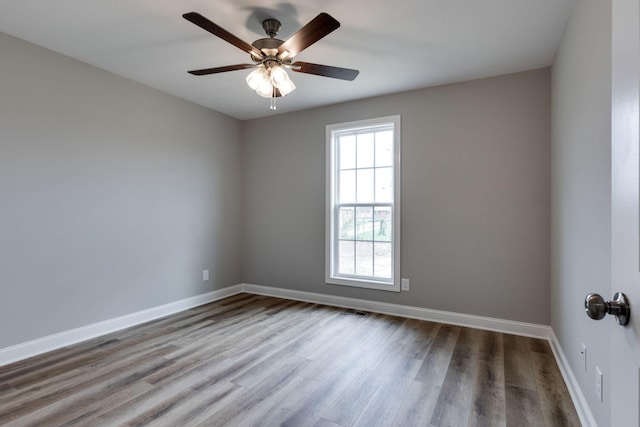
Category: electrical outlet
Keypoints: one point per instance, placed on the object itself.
(583, 355)
(405, 284)
(205, 275)
(599, 383)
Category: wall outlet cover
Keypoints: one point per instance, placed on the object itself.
(599, 383)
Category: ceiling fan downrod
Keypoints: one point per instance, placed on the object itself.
(271, 27)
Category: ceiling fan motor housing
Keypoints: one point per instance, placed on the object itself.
(270, 49)
(269, 46)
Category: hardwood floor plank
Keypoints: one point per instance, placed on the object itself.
(252, 360)
(326, 423)
(250, 398)
(352, 400)
(180, 406)
(523, 408)
(539, 346)
(488, 399)
(282, 329)
(118, 376)
(518, 370)
(491, 361)
(20, 373)
(205, 404)
(6, 389)
(395, 381)
(291, 405)
(453, 407)
(275, 408)
(553, 395)
(339, 351)
(415, 337)
(488, 406)
(186, 407)
(417, 407)
(80, 407)
(436, 361)
(161, 396)
(348, 389)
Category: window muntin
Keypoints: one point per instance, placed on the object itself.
(363, 193)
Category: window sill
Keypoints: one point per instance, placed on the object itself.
(368, 284)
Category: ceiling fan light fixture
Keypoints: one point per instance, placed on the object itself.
(281, 80)
(286, 87)
(278, 74)
(265, 89)
(256, 77)
(270, 55)
(265, 80)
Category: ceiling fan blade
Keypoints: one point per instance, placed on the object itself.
(218, 31)
(205, 71)
(316, 29)
(325, 70)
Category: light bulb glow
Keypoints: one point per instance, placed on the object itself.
(281, 80)
(265, 89)
(256, 77)
(278, 74)
(286, 87)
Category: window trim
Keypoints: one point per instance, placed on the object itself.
(330, 216)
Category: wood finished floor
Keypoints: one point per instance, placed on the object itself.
(258, 361)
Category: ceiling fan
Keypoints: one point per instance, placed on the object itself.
(270, 56)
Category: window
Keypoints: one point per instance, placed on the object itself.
(363, 204)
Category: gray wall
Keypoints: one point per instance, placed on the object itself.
(475, 197)
(581, 191)
(113, 196)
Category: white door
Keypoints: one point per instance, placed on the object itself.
(624, 384)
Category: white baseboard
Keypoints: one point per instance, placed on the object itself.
(73, 336)
(478, 322)
(579, 401)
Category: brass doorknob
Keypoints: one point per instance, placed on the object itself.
(596, 307)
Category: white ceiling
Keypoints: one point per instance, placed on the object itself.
(397, 45)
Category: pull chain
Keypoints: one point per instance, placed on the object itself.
(273, 99)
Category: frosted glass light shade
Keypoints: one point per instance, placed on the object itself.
(281, 80)
(286, 87)
(278, 75)
(265, 89)
(265, 80)
(256, 77)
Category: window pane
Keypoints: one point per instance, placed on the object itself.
(365, 186)
(364, 223)
(347, 152)
(365, 150)
(384, 185)
(382, 224)
(382, 260)
(346, 257)
(346, 230)
(384, 148)
(364, 258)
(347, 187)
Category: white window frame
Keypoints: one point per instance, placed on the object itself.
(331, 276)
